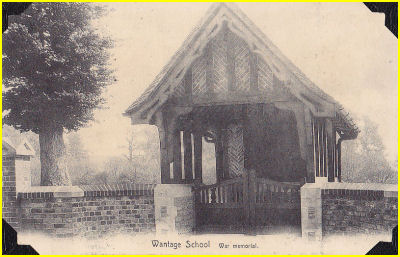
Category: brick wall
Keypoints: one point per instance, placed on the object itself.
(99, 210)
(358, 212)
(93, 211)
(348, 209)
(9, 191)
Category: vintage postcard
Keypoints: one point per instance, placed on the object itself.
(199, 128)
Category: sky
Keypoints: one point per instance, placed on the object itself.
(342, 47)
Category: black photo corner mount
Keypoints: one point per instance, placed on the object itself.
(390, 11)
(10, 243)
(386, 248)
(10, 8)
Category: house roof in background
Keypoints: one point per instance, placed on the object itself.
(18, 145)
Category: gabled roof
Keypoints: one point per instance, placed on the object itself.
(162, 87)
(18, 145)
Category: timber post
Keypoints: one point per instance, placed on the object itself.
(187, 143)
(249, 199)
(162, 126)
(310, 142)
(198, 148)
(339, 159)
(330, 146)
(252, 197)
(165, 167)
(219, 155)
(177, 157)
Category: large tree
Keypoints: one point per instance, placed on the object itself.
(55, 66)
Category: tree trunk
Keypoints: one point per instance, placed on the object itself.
(53, 158)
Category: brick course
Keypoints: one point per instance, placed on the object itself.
(89, 216)
(9, 199)
(348, 212)
(65, 211)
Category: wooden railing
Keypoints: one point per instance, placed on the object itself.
(248, 201)
(273, 194)
(266, 191)
(232, 191)
(276, 193)
(229, 191)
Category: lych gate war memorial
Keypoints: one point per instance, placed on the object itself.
(273, 129)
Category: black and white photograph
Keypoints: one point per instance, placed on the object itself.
(199, 128)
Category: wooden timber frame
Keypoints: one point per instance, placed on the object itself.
(272, 128)
(182, 146)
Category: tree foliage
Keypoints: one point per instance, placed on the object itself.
(54, 66)
(140, 164)
(79, 166)
(363, 159)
